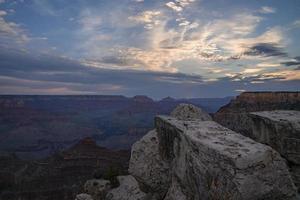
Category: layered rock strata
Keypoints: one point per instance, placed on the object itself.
(235, 114)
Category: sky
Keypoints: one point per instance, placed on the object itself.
(159, 48)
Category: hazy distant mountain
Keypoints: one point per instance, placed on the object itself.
(37, 126)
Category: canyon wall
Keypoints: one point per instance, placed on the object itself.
(235, 114)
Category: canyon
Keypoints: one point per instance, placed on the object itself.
(190, 157)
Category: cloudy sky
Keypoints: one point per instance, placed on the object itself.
(179, 48)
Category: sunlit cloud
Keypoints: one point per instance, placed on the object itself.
(216, 43)
(284, 75)
(11, 32)
(149, 18)
(178, 5)
(267, 10)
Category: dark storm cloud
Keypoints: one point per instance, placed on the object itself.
(265, 49)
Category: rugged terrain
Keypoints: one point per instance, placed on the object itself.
(60, 176)
(235, 114)
(190, 157)
(38, 126)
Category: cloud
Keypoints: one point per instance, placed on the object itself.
(219, 40)
(294, 62)
(90, 22)
(267, 10)
(174, 6)
(11, 32)
(23, 73)
(284, 75)
(3, 13)
(265, 49)
(296, 24)
(178, 5)
(150, 18)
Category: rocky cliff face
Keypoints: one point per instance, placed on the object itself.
(190, 157)
(235, 114)
(281, 130)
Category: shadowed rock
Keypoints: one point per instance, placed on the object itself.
(97, 188)
(147, 166)
(281, 130)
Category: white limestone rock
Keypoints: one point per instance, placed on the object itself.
(97, 188)
(147, 166)
(281, 130)
(128, 190)
(210, 161)
(190, 112)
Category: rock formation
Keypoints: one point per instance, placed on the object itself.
(190, 157)
(147, 166)
(200, 159)
(189, 112)
(128, 190)
(281, 130)
(209, 161)
(235, 114)
(97, 188)
(84, 196)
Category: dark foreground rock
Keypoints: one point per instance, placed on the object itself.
(281, 130)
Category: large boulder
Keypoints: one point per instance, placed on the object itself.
(147, 166)
(209, 161)
(97, 188)
(281, 130)
(127, 190)
(190, 112)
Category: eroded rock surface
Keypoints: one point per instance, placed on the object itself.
(210, 161)
(97, 188)
(235, 114)
(189, 112)
(128, 190)
(147, 166)
(281, 130)
(83, 196)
